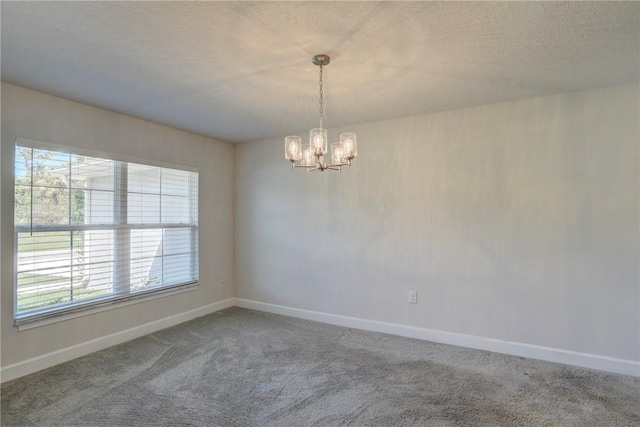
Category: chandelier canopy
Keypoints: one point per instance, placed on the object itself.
(311, 155)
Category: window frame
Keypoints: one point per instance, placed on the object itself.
(115, 299)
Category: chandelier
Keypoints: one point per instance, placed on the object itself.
(311, 155)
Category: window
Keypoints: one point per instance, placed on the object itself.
(92, 230)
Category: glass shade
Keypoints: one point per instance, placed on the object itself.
(293, 148)
(337, 156)
(349, 145)
(308, 157)
(318, 140)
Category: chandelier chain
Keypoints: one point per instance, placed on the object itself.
(321, 97)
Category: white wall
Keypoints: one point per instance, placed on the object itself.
(37, 116)
(514, 221)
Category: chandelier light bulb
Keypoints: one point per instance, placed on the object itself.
(294, 151)
(307, 157)
(318, 140)
(292, 148)
(348, 145)
(337, 153)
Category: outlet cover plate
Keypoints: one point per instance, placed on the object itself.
(413, 297)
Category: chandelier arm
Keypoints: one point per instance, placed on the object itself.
(308, 168)
(337, 165)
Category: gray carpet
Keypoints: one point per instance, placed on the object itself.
(245, 368)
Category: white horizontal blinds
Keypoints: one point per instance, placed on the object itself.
(55, 256)
(90, 229)
(163, 216)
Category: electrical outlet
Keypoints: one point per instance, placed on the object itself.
(223, 278)
(413, 297)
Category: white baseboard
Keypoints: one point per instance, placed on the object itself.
(567, 357)
(591, 361)
(35, 364)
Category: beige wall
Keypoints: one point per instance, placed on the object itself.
(514, 221)
(37, 116)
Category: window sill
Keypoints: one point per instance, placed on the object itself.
(25, 324)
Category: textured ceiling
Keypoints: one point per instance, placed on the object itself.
(240, 71)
